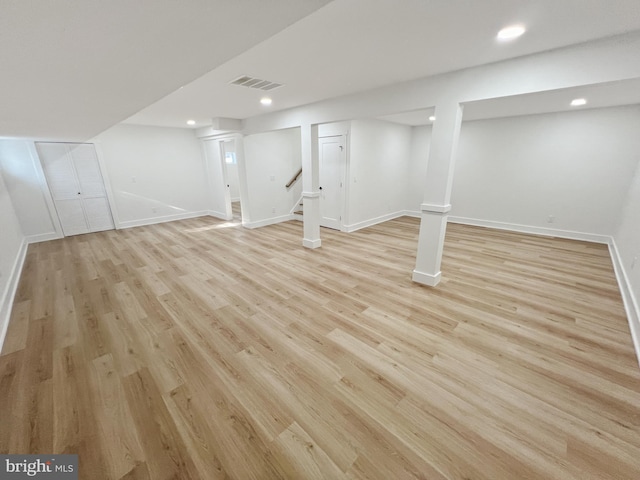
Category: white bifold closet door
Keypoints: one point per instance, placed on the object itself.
(76, 184)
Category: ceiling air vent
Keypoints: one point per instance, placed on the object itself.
(251, 82)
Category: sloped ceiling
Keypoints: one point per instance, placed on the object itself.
(70, 69)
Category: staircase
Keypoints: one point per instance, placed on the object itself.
(296, 210)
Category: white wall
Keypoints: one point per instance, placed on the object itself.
(627, 241)
(420, 141)
(379, 158)
(12, 251)
(271, 159)
(576, 166)
(27, 187)
(156, 174)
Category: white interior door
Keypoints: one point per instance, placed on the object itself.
(93, 193)
(77, 187)
(332, 156)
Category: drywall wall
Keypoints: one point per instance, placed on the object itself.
(155, 174)
(417, 178)
(271, 159)
(12, 250)
(379, 158)
(626, 253)
(27, 188)
(573, 168)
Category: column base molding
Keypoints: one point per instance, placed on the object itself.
(433, 208)
(426, 278)
(311, 243)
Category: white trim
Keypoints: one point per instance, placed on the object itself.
(220, 215)
(426, 278)
(628, 298)
(43, 237)
(373, 221)
(268, 221)
(433, 208)
(311, 243)
(6, 305)
(44, 188)
(167, 218)
(311, 194)
(548, 232)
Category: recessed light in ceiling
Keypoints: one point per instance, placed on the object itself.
(577, 102)
(266, 101)
(191, 122)
(432, 118)
(511, 32)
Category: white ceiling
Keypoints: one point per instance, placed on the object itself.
(598, 96)
(72, 68)
(354, 45)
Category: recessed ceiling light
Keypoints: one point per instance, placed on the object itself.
(509, 33)
(191, 122)
(432, 118)
(577, 102)
(265, 101)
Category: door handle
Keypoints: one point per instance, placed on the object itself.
(78, 193)
(320, 188)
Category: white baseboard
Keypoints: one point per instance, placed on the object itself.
(373, 221)
(628, 298)
(548, 232)
(43, 237)
(269, 221)
(220, 215)
(6, 303)
(165, 218)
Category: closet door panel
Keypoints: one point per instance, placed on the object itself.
(98, 214)
(88, 170)
(59, 170)
(77, 187)
(72, 218)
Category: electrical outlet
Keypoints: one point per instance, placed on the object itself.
(273, 210)
(154, 210)
(551, 219)
(133, 180)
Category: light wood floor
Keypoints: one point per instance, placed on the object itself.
(200, 350)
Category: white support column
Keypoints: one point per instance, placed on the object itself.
(436, 206)
(310, 184)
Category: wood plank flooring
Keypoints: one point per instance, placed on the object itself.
(201, 350)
